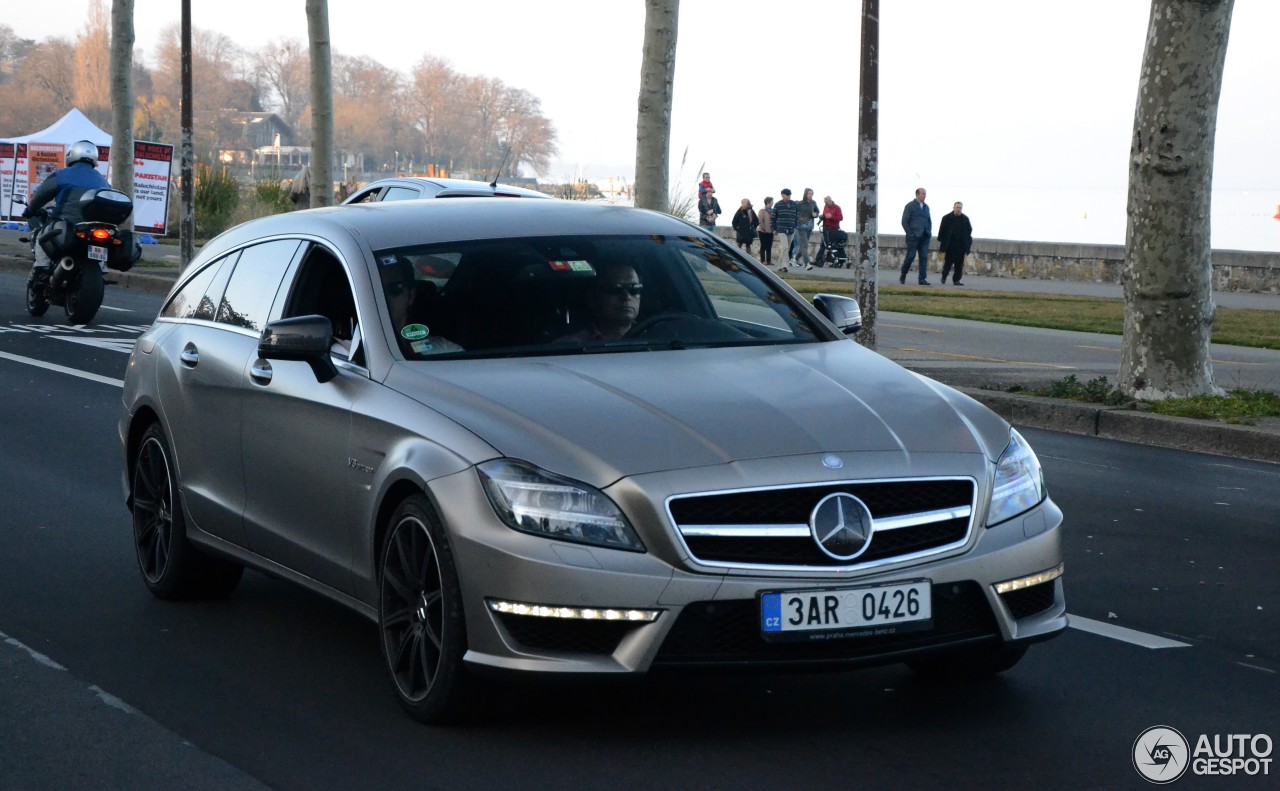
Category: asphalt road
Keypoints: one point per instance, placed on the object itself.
(1170, 583)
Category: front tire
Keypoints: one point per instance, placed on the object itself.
(171, 567)
(420, 620)
(85, 298)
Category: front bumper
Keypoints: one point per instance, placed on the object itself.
(711, 617)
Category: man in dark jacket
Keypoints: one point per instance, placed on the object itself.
(64, 188)
(785, 219)
(955, 238)
(918, 227)
(708, 210)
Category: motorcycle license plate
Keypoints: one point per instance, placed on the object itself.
(846, 612)
(97, 253)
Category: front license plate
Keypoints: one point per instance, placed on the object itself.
(846, 612)
(97, 253)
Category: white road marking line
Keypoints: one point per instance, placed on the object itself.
(1122, 634)
(36, 655)
(1256, 667)
(115, 344)
(62, 369)
(122, 310)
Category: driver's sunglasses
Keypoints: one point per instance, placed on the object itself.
(621, 290)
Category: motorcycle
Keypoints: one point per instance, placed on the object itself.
(81, 254)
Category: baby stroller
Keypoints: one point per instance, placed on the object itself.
(834, 254)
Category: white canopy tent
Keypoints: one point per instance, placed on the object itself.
(66, 130)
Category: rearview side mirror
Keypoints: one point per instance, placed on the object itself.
(302, 338)
(840, 311)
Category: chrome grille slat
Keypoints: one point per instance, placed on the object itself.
(911, 519)
(802, 530)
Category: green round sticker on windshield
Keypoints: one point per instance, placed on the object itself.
(414, 332)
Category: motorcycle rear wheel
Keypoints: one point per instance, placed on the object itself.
(37, 304)
(85, 296)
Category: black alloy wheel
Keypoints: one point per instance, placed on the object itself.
(171, 567)
(420, 615)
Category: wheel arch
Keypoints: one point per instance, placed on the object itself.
(142, 420)
(396, 493)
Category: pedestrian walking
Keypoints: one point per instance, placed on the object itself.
(806, 212)
(765, 231)
(918, 227)
(955, 239)
(744, 225)
(784, 222)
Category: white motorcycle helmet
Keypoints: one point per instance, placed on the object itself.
(82, 151)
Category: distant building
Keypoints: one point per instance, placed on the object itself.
(256, 132)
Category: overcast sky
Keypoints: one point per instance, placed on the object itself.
(1021, 109)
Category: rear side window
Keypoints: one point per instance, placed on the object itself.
(401, 193)
(253, 285)
(194, 300)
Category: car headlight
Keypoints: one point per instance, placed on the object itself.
(534, 501)
(1019, 484)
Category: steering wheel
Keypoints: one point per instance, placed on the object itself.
(641, 327)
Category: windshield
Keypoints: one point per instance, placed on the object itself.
(567, 295)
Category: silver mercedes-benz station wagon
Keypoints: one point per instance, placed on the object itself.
(562, 438)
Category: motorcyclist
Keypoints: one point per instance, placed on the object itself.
(64, 188)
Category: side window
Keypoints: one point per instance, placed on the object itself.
(321, 288)
(190, 300)
(401, 193)
(208, 308)
(369, 196)
(247, 299)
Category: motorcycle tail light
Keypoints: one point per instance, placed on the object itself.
(101, 233)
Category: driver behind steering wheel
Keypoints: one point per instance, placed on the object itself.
(614, 303)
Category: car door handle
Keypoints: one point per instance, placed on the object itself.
(261, 372)
(190, 355)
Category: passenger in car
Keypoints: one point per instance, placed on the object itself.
(613, 302)
(409, 303)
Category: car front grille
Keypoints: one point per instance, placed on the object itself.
(728, 632)
(769, 528)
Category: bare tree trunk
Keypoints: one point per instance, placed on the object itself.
(122, 39)
(653, 117)
(187, 210)
(321, 103)
(1168, 277)
(869, 172)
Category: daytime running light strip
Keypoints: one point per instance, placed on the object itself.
(573, 613)
(1009, 586)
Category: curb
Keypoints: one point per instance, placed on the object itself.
(1130, 425)
(133, 279)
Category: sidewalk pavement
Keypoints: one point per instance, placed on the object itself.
(1259, 441)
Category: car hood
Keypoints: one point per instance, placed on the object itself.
(601, 417)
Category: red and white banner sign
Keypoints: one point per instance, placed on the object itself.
(24, 165)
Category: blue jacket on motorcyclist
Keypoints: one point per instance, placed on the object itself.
(65, 187)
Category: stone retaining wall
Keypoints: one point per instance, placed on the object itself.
(1233, 270)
